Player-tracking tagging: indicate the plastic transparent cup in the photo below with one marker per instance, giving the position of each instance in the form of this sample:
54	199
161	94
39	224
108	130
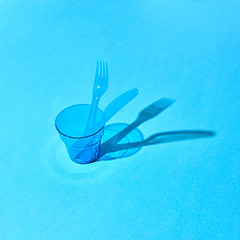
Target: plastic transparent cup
70	124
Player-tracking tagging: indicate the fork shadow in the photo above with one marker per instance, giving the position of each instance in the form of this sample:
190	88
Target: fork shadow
158	138
114	145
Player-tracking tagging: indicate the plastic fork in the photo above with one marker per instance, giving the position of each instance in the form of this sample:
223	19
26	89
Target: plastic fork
99	88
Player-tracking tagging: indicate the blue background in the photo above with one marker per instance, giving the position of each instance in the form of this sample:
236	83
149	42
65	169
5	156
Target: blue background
187	50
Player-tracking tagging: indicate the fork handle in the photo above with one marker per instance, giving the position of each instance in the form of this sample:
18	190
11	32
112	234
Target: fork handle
92	115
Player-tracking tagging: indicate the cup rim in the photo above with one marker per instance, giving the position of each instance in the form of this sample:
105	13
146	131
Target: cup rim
81	136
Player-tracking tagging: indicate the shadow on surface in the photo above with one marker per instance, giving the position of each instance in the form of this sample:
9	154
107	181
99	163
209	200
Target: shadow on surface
116	143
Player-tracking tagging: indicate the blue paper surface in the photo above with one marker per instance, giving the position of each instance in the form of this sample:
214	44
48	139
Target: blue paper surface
185	50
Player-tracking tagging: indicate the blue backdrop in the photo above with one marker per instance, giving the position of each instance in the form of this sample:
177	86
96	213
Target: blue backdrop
186	50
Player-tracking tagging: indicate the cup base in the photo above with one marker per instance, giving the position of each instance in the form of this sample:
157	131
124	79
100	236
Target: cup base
84	155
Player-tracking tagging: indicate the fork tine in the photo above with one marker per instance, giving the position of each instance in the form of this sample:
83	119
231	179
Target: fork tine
100	67
106	70
97	69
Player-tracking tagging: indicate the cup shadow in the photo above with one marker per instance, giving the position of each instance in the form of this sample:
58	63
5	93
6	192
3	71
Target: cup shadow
116	143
